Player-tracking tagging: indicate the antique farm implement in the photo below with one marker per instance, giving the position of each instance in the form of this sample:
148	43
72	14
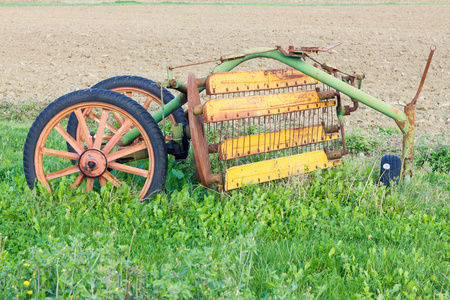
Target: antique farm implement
250	127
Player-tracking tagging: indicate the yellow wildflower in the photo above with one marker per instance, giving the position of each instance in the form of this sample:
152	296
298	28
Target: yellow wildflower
26	283
30	292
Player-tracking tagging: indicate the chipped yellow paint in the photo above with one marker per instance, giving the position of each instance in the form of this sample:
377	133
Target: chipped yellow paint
273	141
264	105
246	81
278	168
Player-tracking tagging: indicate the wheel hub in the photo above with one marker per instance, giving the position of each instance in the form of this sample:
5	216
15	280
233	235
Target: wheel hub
93	163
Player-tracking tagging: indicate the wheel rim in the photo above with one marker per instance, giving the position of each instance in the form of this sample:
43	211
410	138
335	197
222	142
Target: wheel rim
96	151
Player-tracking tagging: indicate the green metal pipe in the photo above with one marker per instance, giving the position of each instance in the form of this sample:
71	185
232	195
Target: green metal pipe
165	110
299	64
295	62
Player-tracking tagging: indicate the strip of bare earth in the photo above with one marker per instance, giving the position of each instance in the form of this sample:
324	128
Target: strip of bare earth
216	3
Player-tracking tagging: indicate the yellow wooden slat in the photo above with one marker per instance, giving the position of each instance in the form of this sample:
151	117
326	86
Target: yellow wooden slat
278	168
246	81
264	105
272	141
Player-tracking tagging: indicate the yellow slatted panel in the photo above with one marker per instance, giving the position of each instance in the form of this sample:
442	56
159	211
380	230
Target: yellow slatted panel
272	141
232	82
278	168
264	105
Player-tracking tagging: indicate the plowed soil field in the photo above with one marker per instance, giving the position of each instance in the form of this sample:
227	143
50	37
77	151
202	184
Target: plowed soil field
47	51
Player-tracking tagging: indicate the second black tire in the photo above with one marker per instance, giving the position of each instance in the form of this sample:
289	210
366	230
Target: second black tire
390	169
146	85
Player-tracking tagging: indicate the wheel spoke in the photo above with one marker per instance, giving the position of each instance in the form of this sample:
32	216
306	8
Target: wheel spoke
126	151
97	119
107	136
89	184
63	172
147	102
102	180
116	182
77	181
101	129
83	127
59	153
69	139
128	169
118	117
113	141
86	112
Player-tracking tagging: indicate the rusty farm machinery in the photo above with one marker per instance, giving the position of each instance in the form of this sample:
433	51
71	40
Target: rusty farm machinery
254	127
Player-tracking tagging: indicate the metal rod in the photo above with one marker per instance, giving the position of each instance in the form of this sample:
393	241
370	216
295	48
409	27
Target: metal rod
414	100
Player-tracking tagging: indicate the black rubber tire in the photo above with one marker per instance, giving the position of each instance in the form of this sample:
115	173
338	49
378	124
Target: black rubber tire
143	84
134	82
107	97
390	169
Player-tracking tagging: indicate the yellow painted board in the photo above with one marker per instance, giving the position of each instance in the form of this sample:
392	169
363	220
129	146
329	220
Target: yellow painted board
273	141
246	81
264	105
277	168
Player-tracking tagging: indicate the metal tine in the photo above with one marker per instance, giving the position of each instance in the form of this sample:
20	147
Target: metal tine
309	129
259	137
285	135
232	137
227	135
300	138
317	145
265	137
243	136
291	132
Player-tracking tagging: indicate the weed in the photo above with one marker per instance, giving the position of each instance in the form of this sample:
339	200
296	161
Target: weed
437	157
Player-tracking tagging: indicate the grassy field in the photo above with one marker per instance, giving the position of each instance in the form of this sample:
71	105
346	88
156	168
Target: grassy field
332	234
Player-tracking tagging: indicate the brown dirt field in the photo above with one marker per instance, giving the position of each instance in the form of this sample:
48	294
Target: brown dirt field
47	51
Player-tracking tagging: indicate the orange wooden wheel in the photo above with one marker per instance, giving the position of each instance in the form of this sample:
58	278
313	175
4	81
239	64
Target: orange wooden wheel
143	97
144	92
97	156
149	101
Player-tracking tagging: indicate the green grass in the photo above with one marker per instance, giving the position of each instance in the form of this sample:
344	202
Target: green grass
331	234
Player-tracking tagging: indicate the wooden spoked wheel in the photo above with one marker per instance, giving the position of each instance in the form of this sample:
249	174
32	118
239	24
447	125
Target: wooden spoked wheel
143	91
148	100
103	117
